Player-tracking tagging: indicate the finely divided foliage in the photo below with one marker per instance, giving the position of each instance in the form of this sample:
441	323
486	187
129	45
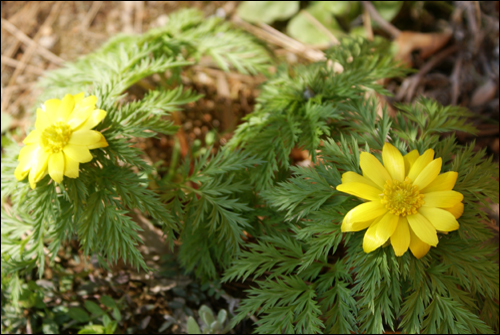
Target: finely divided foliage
205	203
246	209
312	265
301	106
98	205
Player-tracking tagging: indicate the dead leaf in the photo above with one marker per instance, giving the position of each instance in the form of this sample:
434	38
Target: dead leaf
427	43
484	93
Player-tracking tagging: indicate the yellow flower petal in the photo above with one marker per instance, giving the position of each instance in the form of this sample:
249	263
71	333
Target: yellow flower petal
353	177
70	122
71	167
441	219
371	240
355	226
442	199
27	152
26	161
410	159
82	112
33	137
418	248
443	182
51	107
77	119
361	213
423	229
102	143
456	210
360	190
78	98
400	239
39	167
22	171
420	164
85	137
56	167
65	108
42	120
386	226
84	104
373	169
91	100
393	162
95	117
429	173
78	153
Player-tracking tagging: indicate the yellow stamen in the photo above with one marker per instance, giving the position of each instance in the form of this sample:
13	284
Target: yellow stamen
55	137
402	198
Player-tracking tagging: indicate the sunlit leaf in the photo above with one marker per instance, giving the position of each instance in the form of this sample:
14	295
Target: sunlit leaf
302	28
267	11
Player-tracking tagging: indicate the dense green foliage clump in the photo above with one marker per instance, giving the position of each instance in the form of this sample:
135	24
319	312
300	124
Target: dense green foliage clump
97	205
313	278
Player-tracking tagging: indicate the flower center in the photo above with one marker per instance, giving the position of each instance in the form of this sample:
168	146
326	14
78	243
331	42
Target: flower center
402	198
55	137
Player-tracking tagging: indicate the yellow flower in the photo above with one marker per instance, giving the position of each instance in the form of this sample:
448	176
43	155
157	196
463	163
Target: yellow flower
61	140
408	201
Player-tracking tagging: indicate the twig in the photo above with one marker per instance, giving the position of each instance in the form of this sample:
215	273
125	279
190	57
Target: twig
139	12
471	16
410	84
15	63
87	21
455	80
285	38
367	23
126	17
248	79
31	43
27	12
392	30
472	11
321	27
478	11
28	53
22	86
273	36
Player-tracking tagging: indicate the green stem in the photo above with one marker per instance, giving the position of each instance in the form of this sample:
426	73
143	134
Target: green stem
175	160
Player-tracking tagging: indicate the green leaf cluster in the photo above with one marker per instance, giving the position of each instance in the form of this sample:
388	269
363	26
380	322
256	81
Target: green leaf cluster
300	106
97	208
205	202
312	278
316	24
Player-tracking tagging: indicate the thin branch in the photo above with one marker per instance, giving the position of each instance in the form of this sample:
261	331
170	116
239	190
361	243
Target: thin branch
321	27
275	37
392	30
28	14
87	21
139	14
31	43
367	23
15	63
410	84
455	80
29	52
